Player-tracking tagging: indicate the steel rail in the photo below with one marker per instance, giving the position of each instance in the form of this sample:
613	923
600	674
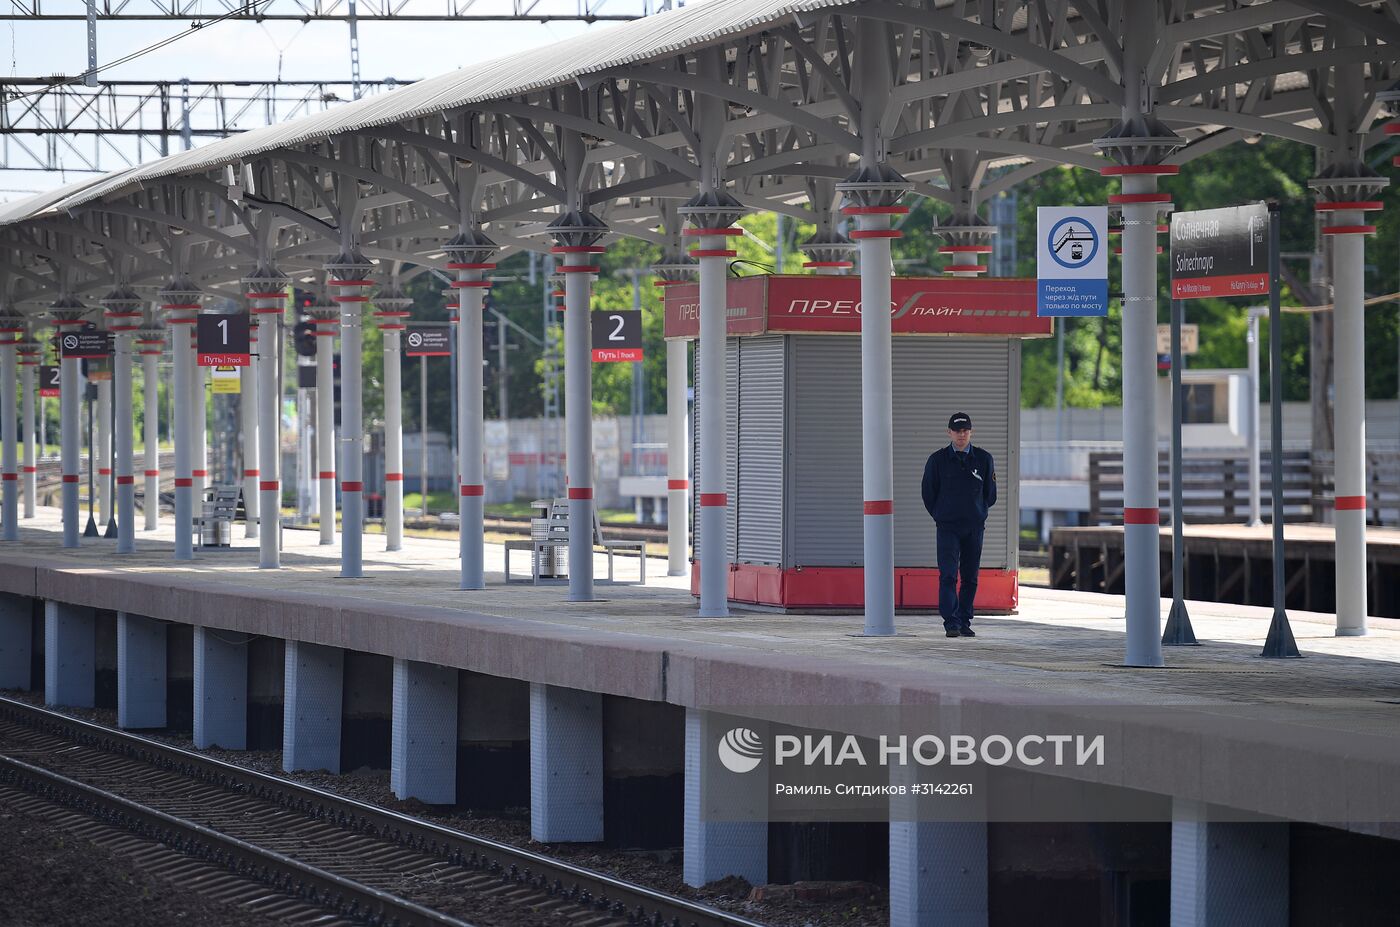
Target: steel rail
634	904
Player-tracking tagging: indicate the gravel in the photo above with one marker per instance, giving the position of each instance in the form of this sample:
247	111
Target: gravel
659	870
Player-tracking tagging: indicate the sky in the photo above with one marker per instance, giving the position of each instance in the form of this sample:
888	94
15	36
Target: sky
256	51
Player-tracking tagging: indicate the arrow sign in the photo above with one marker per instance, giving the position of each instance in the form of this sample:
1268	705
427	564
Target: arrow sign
1220	252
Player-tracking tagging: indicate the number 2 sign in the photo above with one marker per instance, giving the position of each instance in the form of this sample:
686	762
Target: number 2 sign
223	340
617	336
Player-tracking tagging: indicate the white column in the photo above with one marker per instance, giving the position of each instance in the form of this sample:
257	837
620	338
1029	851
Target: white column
578	413
677	457
125	437
220	689
393	434
938	868
183	432
29	404
566	764
267	309
9	456
471	427
1227	872
877	413
248	378
726	812
70	393
70	654
103	448
350	295
1349	347
150	395
199	420
325	426
423	762
314	680
1142	571
713	440
141	670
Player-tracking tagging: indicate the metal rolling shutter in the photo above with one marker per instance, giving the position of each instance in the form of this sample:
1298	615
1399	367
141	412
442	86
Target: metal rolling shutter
823	499
933	378
759	501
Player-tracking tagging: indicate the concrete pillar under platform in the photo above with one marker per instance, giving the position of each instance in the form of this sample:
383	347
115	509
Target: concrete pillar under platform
16	641
938	869
141	655
424	759
1227	872
70	644
726	812
220	689
315	678
566	764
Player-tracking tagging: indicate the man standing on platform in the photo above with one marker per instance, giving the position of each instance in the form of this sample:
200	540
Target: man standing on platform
960	485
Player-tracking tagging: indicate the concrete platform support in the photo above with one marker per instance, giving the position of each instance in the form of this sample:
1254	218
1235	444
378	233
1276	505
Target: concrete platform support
220	689
424	761
70	652
938	869
315	677
566	764
141	654
726	813
1227	872
16	642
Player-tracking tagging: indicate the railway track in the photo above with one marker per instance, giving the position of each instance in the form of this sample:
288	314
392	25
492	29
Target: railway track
300	845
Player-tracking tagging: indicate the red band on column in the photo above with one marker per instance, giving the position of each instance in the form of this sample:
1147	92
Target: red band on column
879	507
1349	503
1141	516
470	284
30	469
585	492
393	477
875	233
473	489
70	477
121	480
829	264
352	486
269	484
580	268
678	484
250	473
327	474
1358	206
1349	230
104	471
695	233
13	477
714	498
458	266
199	473
153	473
1128	199
183	481
349	283
1120	170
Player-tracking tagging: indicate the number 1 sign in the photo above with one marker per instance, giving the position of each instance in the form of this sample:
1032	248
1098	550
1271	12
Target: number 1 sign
223	340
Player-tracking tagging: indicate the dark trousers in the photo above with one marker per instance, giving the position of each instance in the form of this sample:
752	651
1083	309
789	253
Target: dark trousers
959	556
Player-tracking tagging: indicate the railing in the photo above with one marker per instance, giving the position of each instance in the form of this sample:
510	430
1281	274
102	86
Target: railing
1215	488
1382	486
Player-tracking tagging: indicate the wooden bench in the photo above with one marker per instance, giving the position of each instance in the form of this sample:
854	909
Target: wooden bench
549	535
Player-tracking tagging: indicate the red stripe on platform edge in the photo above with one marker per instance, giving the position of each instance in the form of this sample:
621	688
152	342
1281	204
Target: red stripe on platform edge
269	484
1141	516
352	486
1349	503
70	477
393	477
714	498
879	507
153	473
327	474
678	484
584	493
473	489
125	480
182	482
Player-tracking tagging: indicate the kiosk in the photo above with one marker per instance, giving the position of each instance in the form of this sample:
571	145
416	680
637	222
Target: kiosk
793	473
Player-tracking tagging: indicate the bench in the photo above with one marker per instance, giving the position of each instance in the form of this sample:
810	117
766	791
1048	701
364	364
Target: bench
214	524
549	535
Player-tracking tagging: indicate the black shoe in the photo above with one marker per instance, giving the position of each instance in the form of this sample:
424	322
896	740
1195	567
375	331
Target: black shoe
953	632
967	632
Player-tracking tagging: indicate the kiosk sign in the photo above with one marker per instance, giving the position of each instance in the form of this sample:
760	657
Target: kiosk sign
1071	261
1220	252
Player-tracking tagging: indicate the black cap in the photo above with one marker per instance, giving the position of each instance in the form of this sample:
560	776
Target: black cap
959	421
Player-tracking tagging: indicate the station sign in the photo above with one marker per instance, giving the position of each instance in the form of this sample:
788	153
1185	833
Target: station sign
50	380
831	305
223	340
1220	252
617	336
225	380
1190	339
92	342
427	341
1071	261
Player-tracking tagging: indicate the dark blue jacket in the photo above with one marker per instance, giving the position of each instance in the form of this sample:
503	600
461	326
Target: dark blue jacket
959	488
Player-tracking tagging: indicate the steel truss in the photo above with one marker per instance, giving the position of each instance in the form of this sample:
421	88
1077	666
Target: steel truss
339	10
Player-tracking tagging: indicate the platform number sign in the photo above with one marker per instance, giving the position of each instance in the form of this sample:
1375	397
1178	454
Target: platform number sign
617	336
224	340
50	379
1072	261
